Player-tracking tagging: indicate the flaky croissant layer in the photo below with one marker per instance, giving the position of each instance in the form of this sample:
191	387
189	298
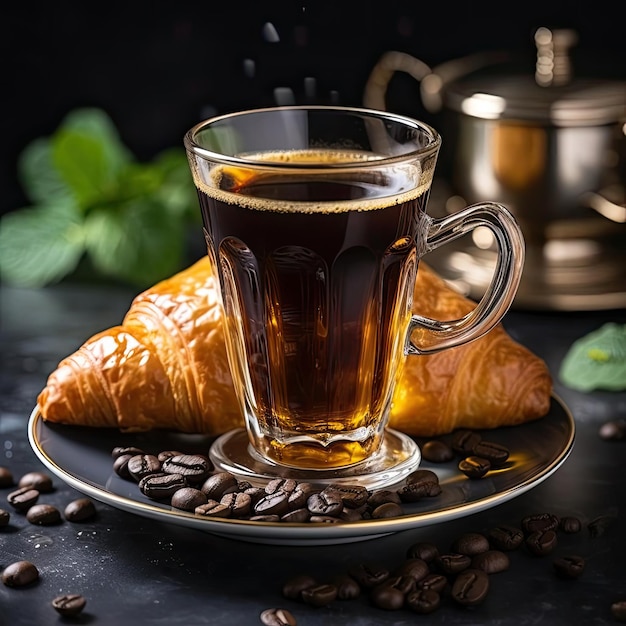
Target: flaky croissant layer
166	367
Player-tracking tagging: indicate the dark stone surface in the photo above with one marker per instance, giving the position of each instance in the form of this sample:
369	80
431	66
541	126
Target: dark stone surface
134	570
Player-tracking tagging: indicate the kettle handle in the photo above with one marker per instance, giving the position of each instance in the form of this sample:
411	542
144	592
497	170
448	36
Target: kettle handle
432	81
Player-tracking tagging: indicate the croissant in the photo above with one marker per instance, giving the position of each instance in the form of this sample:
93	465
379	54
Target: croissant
165	367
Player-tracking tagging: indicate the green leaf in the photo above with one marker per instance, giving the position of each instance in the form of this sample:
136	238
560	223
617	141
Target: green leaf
177	189
39	177
140	243
39	246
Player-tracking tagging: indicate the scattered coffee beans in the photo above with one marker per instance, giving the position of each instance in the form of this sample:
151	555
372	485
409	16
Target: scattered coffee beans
6	477
20	574
80	510
319	594
69	605
569	566
5	518
40	481
474	466
43	515
470	587
437	451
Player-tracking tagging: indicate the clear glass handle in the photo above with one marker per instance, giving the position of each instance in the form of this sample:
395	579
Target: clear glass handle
436	335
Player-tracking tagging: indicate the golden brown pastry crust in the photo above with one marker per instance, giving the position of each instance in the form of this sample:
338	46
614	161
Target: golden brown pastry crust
166	367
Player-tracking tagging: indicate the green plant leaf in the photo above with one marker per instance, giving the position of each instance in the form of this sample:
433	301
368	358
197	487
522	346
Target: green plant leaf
40	246
140	243
177	189
38	176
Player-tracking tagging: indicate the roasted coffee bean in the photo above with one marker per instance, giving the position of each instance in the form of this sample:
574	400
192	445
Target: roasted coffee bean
571	566
120	465
43	515
422	476
354	515
463	442
219	484
239	504
382	496
319	594
389	595
495	453
194	467
423	550
423	601
119	451
474	466
352	496
434	582
599	525
367	575
6	477
324	519
80	510
570	525
20	574
388	509
297	516
141	465
168	454
23	498
5	518
539	522
255	493
452	563
277	617
414	492
69	605
417	569
491	561
286	485
470	544
188	498
273	504
541	543
299	496
470	587
40	481
506	537
437	451
161	486
269	519
347	587
213	508
618	610
293	587
325	503
613	430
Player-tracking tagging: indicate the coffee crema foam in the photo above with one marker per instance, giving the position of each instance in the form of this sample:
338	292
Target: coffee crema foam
401	181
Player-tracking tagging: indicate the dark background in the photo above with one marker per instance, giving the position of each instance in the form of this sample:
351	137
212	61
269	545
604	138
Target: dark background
157	68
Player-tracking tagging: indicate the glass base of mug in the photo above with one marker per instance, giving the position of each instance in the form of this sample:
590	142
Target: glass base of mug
397	457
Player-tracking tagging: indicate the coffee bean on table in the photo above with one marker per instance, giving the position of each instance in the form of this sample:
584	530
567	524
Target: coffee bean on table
569	566
69	605
437	451
470	543
491	561
293	587
539	522
495	453
277	617
618	610
43	515
218	484
470	587
506	537
194	467
321	594
6	477
23	498
188	498
347	587
474	466
388	596
273	504
5	518
541	543
435	582
417	569
80	510
367	575
238	502
40	481
423	550
570	525
161	486
423	601
452	563
20	574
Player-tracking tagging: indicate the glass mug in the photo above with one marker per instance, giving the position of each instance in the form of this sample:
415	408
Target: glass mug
315	220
